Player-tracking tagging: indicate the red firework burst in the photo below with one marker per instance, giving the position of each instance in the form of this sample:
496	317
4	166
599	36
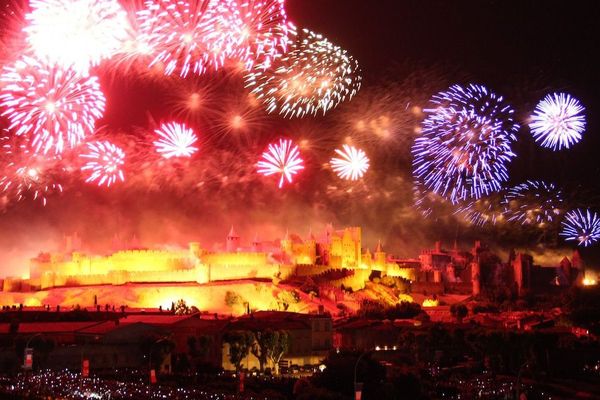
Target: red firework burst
260	29
105	162
176	140
282	158
187	35
55	108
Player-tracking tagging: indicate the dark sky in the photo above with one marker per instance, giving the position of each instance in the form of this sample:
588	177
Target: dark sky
522	49
519	48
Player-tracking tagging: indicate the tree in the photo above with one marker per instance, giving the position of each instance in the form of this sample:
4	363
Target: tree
277	344
181	308
260	349
239	346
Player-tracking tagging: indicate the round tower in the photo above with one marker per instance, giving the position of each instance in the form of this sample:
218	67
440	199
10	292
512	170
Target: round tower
233	241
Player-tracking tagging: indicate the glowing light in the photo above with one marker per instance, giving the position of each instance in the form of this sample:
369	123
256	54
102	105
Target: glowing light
431	303
558	121
313	77
56	108
187	35
533	202
582	226
465	144
105	162
282	158
352	165
260	29
589	282
176	140
76	34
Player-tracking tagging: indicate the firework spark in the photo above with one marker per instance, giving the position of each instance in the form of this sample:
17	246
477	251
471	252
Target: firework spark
27	175
558	121
260	29
187	35
533	203
105	162
484	211
582	226
352	164
313	76
57	108
465	144
282	158
76	34
176	140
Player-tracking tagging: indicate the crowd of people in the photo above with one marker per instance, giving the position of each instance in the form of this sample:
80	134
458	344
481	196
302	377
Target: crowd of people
72	386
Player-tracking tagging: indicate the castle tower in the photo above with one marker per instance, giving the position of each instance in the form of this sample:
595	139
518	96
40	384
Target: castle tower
379	256
521	272
286	244
195	251
476	277
233	241
256	244
311	247
367	258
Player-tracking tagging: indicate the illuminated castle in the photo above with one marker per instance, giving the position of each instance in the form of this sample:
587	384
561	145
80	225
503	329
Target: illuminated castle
267	260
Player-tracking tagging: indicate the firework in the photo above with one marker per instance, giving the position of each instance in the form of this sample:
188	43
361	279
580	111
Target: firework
427	202
187	35
582	226
193	99
176	140
105	162
533	203
558	121
57	108
352	164
12	37
76	34
134	54
483	211
27	175
465	144
282	158
313	77
260	29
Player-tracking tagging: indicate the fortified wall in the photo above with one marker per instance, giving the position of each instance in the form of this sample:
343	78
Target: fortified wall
292	255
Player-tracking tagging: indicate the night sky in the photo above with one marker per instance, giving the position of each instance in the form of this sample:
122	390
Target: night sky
521	49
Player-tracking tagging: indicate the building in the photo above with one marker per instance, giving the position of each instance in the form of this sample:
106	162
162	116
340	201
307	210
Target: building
310	337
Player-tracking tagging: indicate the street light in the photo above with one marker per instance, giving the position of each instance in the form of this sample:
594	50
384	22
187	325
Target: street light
27	352
161	339
358	388
518	385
